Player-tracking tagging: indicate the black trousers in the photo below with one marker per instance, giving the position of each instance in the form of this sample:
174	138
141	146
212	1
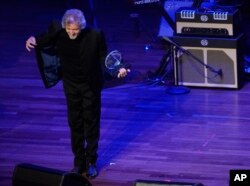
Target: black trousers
83	105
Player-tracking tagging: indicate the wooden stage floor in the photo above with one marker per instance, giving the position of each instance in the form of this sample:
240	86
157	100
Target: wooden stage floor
146	133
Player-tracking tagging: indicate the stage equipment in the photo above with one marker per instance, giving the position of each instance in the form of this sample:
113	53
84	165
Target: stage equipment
208	22
32	175
164	73
176	88
229	3
171	7
210	62
163	183
141	2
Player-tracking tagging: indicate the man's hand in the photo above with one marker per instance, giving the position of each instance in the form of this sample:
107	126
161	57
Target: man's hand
30	43
123	72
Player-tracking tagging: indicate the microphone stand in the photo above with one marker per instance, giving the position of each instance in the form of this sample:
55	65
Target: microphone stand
219	72
176	89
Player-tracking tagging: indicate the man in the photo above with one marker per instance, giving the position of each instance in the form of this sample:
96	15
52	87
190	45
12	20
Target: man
82	53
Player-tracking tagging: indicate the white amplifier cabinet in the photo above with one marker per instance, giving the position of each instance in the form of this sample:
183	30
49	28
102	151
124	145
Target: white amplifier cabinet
208	22
222	56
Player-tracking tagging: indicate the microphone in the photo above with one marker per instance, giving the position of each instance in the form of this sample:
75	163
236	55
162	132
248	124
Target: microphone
220	72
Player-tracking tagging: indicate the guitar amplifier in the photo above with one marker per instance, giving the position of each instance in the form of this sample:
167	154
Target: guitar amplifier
220	65
208	22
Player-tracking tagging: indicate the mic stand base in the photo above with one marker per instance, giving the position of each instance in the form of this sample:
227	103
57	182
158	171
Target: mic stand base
177	89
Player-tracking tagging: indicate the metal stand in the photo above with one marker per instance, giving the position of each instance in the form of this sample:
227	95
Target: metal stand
176	88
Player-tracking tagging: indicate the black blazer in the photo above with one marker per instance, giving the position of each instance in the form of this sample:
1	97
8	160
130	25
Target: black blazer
49	66
49	62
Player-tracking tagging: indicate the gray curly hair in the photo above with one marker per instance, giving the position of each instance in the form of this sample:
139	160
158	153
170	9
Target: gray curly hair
74	16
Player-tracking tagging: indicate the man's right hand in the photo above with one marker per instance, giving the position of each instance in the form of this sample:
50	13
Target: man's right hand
30	43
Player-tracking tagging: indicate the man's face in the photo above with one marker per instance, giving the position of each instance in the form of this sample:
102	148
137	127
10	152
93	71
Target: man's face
73	30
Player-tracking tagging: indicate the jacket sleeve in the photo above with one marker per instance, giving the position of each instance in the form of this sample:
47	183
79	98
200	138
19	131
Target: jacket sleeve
49	66
46	55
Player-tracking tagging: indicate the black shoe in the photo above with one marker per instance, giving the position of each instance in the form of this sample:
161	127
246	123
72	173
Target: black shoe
92	171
